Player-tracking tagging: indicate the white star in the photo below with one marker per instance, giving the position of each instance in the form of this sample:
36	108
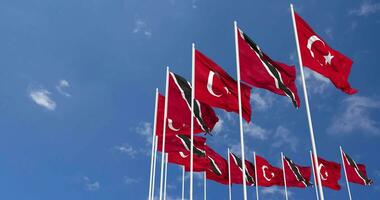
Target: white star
328	58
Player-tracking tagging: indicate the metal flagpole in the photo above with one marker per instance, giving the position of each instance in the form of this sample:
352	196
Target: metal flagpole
183	182
204	186
164	132
345	173
154	165
314	147
256	179
229	175
192	118
240	111
283	171
166	174
153	144
315	180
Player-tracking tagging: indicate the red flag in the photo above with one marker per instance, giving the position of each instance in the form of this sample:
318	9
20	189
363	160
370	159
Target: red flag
218	89
179	110
176	143
257	69
236	169
267	175
296	175
183	158
356	173
329	173
217	169
320	57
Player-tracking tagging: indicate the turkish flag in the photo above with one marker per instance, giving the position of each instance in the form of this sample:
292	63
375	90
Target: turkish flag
259	70
176	143
356	173
236	169
320	57
218	89
179	110
267	175
217	168
329	173
296	175
200	163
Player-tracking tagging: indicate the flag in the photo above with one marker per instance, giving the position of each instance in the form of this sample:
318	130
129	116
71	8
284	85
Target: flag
179	110
320	57
259	70
218	89
296	175
178	142
217	169
329	173
356	173
267	175
236	169
183	158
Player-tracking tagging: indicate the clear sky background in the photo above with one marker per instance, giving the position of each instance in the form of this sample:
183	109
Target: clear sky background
77	86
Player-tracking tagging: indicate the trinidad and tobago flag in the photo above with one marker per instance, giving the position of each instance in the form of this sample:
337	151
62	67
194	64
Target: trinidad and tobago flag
296	175
356	173
236	169
217	168
259	70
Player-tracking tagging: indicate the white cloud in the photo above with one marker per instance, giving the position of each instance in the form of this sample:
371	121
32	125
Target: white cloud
91	185
194	4
315	82
142	27
127	149
262	100
366	8
62	84
41	97
255	131
356	116
145	129
218	127
129	180
284	137
275	191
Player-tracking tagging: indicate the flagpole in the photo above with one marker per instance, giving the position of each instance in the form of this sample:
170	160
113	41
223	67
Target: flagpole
229	175
204	186
256	179
314	147
153	144
283	169
315	180
192	118
183	182
164	132
166	174
154	165
345	172
240	112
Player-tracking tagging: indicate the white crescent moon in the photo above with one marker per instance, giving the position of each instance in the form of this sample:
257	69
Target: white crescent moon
182	154
209	84
170	125
310	42
264	174
326	174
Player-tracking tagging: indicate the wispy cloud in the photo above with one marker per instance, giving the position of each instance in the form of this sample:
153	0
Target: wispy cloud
316	82
262	100
356	116
366	8
194	4
130	180
91	185
329	32
283	137
272	191
62	85
142	27
218	128
42	98
145	129
255	131
127	149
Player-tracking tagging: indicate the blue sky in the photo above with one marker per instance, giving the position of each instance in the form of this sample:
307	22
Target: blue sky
78	78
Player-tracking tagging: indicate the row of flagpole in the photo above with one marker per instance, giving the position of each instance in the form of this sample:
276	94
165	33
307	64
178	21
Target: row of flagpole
313	153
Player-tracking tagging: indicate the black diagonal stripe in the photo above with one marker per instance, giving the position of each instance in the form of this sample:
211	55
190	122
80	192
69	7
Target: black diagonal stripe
353	164
296	172
186	140
239	163
214	167
185	88
271	66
